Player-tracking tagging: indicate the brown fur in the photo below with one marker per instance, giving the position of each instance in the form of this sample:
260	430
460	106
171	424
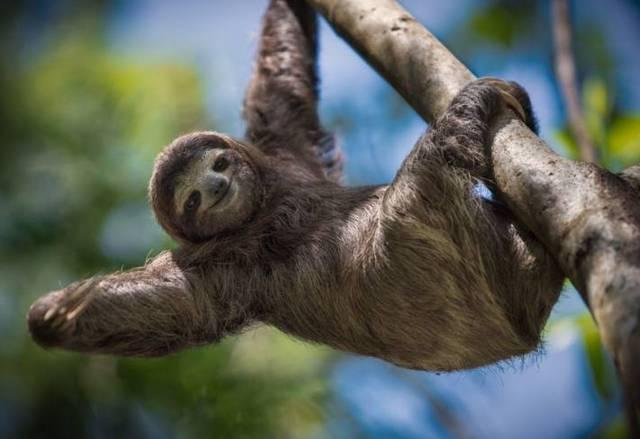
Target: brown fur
420	273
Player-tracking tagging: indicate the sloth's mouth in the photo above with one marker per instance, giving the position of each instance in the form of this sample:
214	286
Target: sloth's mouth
222	196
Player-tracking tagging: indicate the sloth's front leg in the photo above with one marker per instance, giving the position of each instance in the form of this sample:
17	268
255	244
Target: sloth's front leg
149	311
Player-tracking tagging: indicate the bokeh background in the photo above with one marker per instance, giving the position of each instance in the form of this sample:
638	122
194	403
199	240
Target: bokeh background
90	91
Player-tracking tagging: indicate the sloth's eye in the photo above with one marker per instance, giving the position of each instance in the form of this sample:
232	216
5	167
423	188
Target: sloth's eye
220	164
193	201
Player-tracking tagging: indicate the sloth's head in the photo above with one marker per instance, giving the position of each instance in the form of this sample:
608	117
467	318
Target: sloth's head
203	184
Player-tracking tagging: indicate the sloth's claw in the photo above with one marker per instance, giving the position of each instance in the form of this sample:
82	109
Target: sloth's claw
77	300
330	155
50	312
507	92
514	105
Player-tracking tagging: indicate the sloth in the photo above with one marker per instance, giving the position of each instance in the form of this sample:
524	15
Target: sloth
423	272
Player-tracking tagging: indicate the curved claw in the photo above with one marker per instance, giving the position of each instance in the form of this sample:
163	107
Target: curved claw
507	91
329	156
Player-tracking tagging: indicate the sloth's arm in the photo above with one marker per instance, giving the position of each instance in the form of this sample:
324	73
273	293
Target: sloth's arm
149	311
280	105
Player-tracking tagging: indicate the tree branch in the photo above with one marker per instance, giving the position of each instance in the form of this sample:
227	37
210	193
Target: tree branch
587	218
566	74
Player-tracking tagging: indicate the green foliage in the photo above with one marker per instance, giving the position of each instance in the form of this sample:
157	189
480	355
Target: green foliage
598	361
624	139
197	393
94	122
565	138
597	108
616	135
502	22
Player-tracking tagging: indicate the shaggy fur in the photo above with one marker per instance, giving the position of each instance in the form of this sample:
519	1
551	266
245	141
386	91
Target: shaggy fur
420	273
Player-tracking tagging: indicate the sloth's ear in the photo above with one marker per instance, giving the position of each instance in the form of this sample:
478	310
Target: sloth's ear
149	311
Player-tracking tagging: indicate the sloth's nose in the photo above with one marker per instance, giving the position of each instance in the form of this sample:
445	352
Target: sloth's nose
217	185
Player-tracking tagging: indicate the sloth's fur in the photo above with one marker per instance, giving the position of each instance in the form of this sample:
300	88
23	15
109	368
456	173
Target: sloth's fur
421	272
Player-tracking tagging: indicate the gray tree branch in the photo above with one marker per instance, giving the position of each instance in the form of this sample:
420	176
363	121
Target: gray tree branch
587	218
566	73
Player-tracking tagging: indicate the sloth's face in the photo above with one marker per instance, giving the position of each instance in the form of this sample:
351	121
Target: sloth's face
215	193
205	184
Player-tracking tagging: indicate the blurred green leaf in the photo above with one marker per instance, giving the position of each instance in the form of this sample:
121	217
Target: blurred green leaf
501	22
598	361
595	98
597	106
566	139
624	139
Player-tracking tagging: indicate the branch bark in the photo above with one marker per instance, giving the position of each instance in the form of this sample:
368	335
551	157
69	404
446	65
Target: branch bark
566	74
632	176
587	218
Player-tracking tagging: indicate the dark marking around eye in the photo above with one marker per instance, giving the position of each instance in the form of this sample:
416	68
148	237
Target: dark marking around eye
220	164
192	202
